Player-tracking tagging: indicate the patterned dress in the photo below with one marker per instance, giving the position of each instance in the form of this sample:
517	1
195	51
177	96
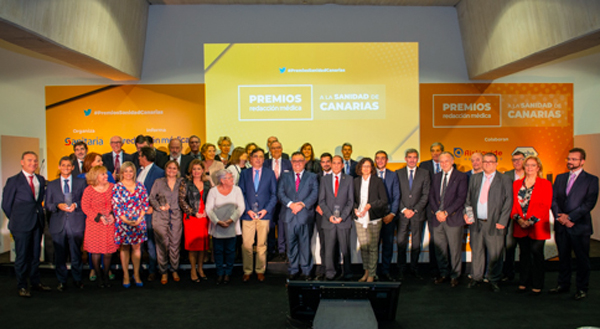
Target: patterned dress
98	238
131	206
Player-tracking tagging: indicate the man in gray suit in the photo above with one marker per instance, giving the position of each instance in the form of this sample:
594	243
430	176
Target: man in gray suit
490	198
414	191
336	199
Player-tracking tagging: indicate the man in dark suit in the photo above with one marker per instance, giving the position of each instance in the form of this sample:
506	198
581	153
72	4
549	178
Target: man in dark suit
194	143
279	165
268	155
574	196
510	243
176	147
298	192
22	203
325	162
349	164
490	199
161	156
433	166
414	194
446	203
80	150
147	174
386	235
259	186
336	200
66	222
113	160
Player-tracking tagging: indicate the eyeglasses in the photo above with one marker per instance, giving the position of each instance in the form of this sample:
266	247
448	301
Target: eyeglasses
489	162
517	159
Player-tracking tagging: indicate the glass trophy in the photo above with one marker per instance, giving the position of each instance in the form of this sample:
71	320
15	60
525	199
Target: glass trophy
470	215
336	211
255	210
68	199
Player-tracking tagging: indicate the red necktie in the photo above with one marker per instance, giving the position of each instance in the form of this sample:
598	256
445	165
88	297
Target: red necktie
337	184
297	181
117	164
31	185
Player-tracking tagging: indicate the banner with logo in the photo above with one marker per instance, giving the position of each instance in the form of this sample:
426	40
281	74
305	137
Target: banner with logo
94	114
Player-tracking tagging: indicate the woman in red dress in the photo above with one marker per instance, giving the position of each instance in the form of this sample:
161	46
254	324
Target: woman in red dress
192	197
99	237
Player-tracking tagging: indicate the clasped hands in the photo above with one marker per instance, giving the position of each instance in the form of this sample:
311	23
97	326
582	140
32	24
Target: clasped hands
63	207
564	220
256	215
226	223
296	207
362	213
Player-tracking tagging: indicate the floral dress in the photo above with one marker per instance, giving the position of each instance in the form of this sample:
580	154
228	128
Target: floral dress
131	206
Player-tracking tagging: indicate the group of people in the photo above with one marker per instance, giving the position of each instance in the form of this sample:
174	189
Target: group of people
239	198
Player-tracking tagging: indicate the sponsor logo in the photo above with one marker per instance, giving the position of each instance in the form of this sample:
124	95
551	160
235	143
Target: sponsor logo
89	141
458	152
282	70
87	112
527	150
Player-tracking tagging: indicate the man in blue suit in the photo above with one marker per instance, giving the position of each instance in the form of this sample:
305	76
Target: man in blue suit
386	236
298	192
147	174
574	196
66	222
22	203
279	165
349	164
259	186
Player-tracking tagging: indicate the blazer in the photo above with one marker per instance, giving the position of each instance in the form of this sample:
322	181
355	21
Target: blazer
377	197
352	168
392	188
286	165
59	219
416	198
428	165
344	199
109	163
266	196
283	156
153	174
578	204
76	170
308	192
22	209
454	200
499	204
539	206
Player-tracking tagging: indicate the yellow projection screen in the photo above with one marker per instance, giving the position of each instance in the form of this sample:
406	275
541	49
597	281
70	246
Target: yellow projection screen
366	94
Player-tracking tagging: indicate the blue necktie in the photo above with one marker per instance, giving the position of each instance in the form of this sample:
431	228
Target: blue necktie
256	180
381	174
437	168
66	189
410	179
347	167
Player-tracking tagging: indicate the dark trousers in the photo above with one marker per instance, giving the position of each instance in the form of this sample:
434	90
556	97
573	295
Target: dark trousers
68	243
531	259
405	227
27	262
298	241
386	238
224	250
152	263
321	268
486	251
508	269
580	245
448	249
433	263
338	241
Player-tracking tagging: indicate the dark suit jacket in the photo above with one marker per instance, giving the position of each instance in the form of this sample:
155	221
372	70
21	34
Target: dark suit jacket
352	168
454	200
266	196
428	165
161	158
19	204
283	156
499	202
58	218
308	192
183	165
286	165
109	162
416	198
392	187
76	170
578	204
344	199
377	197
154	174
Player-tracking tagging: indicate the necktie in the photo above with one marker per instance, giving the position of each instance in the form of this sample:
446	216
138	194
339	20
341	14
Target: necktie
437	168
337	185
256	180
66	189
276	169
31	185
381	174
80	165
571	181
444	184
117	164
410	179
483	197
297	181
347	167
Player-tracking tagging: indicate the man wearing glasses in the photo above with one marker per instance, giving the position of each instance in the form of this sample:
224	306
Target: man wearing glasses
516	173
574	196
113	160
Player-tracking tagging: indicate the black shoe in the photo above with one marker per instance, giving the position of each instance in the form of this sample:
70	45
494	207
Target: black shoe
219	280
24	293
61	287
305	277
293	276
454	282
495	287
78	284
558	290
388	277
440	279
40	287
580	295
473	284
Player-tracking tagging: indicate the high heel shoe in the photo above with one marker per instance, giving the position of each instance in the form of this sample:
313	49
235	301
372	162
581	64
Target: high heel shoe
126	285
176	277
164	279
138	284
